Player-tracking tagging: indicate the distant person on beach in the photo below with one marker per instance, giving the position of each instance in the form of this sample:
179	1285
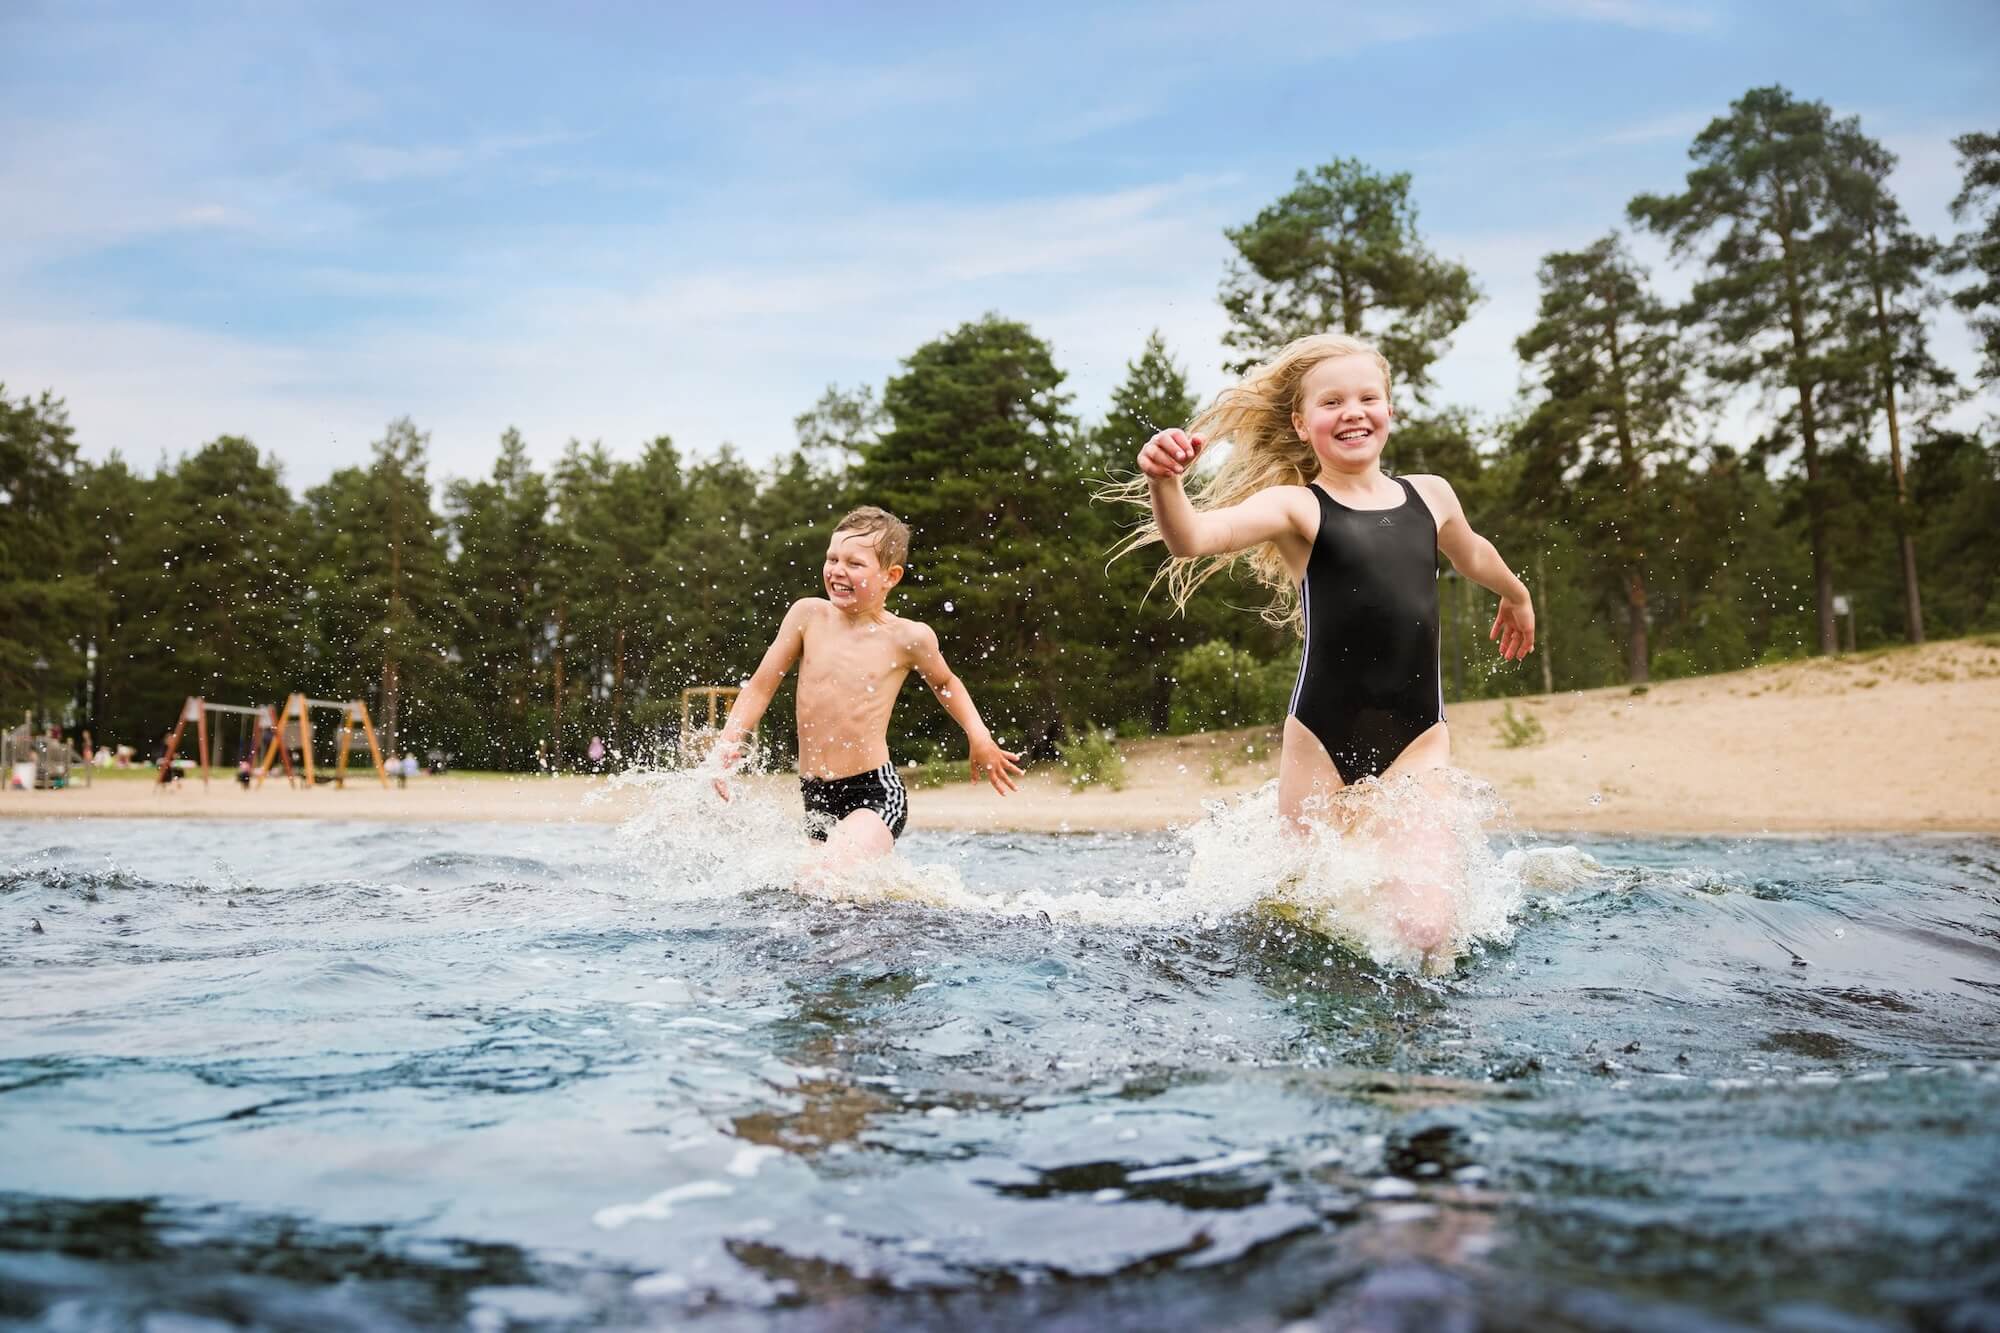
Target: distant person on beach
1350	556
853	656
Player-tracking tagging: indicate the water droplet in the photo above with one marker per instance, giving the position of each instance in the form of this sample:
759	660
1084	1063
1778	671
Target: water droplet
949	607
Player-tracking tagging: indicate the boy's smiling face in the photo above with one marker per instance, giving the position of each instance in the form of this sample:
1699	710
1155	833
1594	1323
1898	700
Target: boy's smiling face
853	574
1344	412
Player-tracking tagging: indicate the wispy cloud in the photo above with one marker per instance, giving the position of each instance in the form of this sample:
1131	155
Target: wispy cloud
1644	15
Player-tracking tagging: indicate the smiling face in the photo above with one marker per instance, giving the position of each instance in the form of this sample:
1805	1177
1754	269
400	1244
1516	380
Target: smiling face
1343	412
853	574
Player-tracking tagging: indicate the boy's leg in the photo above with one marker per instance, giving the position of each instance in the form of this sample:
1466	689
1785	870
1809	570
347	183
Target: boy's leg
860	837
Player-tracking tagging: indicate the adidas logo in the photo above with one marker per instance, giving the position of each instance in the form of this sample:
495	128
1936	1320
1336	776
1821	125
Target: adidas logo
1386	523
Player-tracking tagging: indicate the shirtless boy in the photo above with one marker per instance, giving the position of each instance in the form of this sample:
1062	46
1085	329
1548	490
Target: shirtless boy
853	655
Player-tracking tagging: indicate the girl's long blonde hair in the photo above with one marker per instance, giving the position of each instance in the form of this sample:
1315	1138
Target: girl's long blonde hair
1253	419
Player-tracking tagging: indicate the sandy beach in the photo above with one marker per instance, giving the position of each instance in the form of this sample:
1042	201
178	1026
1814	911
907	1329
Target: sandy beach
1898	741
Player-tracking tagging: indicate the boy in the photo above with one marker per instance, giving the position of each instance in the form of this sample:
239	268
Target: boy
853	655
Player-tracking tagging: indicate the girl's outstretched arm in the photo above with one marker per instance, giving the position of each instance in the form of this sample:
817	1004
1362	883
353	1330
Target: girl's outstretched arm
1187	531
1473	556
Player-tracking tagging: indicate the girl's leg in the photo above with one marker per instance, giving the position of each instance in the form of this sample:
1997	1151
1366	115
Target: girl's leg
1307	778
1426	851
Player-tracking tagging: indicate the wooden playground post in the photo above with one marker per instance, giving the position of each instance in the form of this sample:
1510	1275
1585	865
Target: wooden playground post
719	698
355	714
196	710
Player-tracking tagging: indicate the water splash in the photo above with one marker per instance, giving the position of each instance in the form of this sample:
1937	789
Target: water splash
1402	871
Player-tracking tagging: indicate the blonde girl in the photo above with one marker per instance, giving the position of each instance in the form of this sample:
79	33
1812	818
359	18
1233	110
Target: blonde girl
1348	552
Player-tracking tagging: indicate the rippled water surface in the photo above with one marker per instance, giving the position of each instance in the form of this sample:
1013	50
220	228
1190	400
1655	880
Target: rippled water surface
324	1075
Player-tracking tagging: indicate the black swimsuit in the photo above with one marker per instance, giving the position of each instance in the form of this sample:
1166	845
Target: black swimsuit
830	800
1368	676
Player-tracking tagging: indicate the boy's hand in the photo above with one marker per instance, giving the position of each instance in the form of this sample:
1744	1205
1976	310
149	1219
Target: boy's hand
1170	453
1514	628
724	758
994	764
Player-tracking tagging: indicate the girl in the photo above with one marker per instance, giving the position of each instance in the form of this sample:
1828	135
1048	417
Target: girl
1350	556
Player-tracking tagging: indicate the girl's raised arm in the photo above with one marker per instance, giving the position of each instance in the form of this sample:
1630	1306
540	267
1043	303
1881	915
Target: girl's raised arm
1266	516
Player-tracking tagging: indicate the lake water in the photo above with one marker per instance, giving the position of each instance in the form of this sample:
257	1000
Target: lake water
328	1076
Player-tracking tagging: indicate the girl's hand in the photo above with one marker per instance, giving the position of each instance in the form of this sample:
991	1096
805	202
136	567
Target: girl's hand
1514	628
994	765
1170	453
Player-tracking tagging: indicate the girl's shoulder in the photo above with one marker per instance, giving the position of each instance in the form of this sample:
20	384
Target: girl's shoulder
1301	502
1435	492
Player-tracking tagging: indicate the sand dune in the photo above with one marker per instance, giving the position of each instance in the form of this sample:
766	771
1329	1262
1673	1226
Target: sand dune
1902	741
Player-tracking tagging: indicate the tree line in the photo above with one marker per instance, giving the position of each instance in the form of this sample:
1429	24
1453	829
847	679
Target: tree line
508	619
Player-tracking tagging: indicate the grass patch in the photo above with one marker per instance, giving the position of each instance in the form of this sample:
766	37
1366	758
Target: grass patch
936	771
1518	730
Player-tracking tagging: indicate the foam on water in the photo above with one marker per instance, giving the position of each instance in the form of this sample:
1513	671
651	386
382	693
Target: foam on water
1402	871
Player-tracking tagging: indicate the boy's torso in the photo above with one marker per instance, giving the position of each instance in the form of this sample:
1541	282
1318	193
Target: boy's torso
850	672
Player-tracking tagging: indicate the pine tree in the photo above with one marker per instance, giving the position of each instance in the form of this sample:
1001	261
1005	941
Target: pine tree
1888	337
46	606
1341	251
110	498
981	461
377	577
1978	251
1613	370
710	630
1130	615
1759	198
499	527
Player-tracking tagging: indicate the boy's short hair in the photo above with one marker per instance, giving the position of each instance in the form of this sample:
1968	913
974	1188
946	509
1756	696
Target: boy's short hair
891	534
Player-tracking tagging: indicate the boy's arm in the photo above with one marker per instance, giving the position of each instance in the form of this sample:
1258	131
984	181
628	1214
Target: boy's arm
749	707
989	761
1187	531
1473	556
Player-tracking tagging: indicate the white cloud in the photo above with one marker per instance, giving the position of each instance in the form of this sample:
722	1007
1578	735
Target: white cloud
706	354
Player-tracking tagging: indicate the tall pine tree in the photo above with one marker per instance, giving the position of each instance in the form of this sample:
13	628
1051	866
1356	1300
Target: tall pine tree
46	604
1759	200
1612	373
499	526
981	461
1889	334
1977	251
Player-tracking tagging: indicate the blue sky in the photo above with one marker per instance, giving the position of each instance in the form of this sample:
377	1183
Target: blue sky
609	221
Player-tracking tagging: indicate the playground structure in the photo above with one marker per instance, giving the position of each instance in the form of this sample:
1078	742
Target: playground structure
45	762
695	739
294	731
252	721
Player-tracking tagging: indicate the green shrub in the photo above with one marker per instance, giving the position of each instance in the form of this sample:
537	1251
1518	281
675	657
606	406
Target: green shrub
1091	758
1518	729
1217	686
1672	664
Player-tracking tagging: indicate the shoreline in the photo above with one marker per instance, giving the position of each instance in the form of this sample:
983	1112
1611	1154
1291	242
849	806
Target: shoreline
1899	742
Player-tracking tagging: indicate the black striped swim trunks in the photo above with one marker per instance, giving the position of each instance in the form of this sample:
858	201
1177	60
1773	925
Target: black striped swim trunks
830	800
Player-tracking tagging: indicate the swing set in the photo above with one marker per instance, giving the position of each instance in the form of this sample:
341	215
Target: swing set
290	729
294	731
251	721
